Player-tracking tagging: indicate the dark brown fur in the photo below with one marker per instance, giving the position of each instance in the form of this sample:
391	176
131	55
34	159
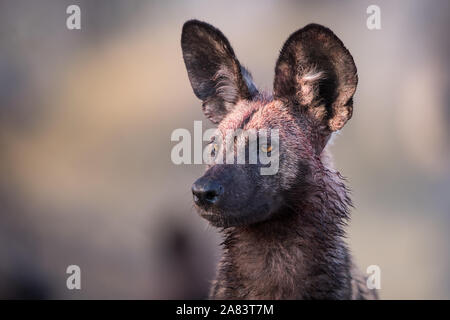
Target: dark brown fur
283	234
300	254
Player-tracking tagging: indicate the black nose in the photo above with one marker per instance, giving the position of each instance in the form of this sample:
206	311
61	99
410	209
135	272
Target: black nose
206	191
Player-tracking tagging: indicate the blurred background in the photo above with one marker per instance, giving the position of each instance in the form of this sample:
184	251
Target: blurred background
85	123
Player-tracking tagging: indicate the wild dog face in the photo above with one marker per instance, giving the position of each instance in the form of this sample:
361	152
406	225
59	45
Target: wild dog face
315	79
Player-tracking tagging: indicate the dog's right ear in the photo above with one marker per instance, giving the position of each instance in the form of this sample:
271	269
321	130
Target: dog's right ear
215	74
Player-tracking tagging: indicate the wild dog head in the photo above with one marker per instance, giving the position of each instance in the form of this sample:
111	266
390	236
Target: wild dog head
315	80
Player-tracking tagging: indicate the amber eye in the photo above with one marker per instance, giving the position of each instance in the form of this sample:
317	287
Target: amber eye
214	149
266	148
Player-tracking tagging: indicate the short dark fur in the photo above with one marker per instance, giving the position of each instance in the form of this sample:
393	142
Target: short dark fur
283	234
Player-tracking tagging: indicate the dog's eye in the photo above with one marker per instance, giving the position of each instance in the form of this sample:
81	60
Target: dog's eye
214	149
266	149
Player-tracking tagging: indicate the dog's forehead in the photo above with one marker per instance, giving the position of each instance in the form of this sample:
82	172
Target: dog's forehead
252	115
240	115
272	115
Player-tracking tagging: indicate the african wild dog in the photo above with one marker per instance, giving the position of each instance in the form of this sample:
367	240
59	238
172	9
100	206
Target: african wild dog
283	233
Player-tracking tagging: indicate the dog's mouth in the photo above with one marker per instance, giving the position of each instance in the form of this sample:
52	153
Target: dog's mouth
245	215
214	218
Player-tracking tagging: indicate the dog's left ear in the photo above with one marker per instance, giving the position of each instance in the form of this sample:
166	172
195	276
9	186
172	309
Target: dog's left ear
315	71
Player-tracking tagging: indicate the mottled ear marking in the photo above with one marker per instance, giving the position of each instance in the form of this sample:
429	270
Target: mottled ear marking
317	72
216	75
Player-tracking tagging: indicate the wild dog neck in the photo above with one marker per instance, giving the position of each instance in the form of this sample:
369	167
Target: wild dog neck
295	255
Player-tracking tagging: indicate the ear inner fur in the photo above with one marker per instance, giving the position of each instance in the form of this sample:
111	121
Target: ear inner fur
316	71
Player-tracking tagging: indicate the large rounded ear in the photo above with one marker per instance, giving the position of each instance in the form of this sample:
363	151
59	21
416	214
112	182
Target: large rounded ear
215	73
317	72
